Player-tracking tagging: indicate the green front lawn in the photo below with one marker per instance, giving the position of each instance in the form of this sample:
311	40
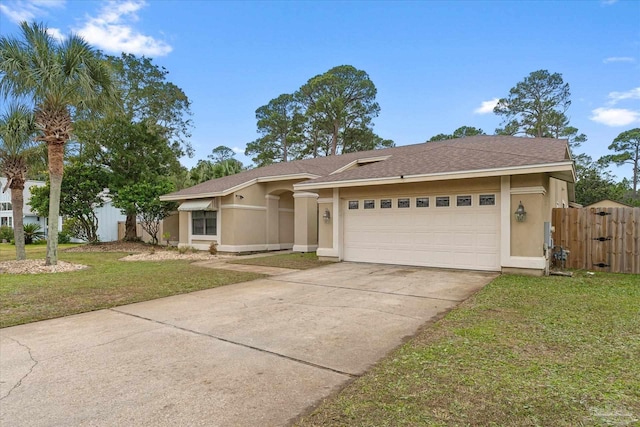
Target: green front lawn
107	283
298	261
35	251
524	351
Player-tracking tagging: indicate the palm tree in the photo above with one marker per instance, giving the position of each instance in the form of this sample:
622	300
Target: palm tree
60	77
17	129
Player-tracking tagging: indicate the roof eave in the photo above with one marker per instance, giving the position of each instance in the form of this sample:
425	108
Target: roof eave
226	192
564	171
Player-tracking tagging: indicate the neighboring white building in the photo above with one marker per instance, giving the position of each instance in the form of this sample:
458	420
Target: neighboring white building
108	215
29	217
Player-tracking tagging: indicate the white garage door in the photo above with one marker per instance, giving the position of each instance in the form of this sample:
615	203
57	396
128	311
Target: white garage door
451	231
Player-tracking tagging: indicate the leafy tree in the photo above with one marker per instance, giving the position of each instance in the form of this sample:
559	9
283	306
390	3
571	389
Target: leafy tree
461	132
341	99
143	198
627	149
536	106
203	171
17	147
363	139
59	77
280	124
145	136
82	192
147	96
132	154
594	183
221	153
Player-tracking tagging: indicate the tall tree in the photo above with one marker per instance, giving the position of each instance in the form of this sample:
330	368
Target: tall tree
17	130
133	154
280	124
461	132
341	99
147	96
221	153
59	77
536	106
594	183
152	110
627	151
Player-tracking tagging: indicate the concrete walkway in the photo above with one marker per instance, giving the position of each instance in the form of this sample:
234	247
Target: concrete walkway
251	354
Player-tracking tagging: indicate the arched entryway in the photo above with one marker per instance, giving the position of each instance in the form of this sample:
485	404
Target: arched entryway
280	219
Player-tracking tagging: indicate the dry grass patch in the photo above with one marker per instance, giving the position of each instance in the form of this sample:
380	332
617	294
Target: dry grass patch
523	352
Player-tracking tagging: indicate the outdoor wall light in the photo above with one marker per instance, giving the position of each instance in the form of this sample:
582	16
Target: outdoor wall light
326	216
240	196
520	213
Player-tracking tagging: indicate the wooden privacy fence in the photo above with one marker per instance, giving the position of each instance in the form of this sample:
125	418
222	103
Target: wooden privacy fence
599	239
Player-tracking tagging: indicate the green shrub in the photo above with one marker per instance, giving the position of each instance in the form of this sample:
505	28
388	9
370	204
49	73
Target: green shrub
64	237
32	233
183	249
6	233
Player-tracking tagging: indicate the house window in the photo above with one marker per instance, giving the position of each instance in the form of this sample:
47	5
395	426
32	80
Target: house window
353	204
6	221
369	204
404	203
463	201
204	223
422	202
5	206
487	200
442	202
385	204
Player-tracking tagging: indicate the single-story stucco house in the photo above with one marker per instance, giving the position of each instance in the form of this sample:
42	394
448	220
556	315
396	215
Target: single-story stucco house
449	204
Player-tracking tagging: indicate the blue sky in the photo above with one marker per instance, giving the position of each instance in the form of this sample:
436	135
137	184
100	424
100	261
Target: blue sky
436	65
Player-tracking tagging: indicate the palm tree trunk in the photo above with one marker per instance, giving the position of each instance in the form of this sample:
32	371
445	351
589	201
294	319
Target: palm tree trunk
56	169
17	201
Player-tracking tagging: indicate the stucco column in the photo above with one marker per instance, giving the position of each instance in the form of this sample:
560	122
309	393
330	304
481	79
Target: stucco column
273	222
306	222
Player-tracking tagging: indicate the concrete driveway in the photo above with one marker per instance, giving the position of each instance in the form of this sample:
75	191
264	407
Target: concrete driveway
251	354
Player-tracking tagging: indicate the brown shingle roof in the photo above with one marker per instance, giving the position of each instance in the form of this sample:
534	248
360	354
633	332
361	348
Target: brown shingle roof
457	155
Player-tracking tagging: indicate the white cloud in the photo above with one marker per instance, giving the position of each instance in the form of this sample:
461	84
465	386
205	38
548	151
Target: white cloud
618	59
487	106
615	97
615	116
56	33
28	10
113	32
238	150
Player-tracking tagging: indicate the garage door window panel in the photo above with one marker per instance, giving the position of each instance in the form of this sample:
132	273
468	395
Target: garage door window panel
404	203
442	202
422	202
385	204
369	204
462	201
353	204
487	200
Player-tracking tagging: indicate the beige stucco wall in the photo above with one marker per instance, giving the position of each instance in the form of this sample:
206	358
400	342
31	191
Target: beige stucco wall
325	229
184	227
434	187
243	226
558	193
171	225
306	221
527	237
